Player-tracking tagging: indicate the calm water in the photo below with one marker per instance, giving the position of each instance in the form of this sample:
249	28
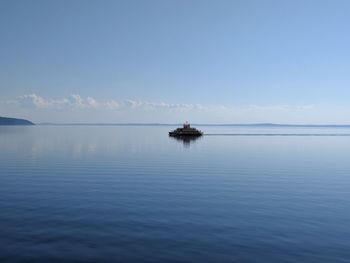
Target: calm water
132	194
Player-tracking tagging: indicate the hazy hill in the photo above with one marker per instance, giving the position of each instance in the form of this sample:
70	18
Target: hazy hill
13	121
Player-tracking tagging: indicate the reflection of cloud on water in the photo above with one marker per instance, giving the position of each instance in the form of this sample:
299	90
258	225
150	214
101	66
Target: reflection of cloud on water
77	150
39	147
74	149
92	147
186	140
80	142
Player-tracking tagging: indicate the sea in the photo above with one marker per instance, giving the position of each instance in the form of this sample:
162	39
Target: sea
131	193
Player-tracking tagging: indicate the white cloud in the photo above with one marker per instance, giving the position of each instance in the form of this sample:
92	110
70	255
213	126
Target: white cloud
91	102
161	105
88	103
281	107
133	104
112	105
40	102
35	101
78	102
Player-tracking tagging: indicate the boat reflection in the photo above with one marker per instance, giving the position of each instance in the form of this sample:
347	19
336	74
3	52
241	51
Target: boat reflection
186	139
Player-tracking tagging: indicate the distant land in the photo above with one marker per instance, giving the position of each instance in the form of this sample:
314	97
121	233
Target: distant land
205	124
14	121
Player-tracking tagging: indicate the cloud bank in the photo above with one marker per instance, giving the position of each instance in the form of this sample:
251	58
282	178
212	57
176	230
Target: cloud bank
77	108
78	102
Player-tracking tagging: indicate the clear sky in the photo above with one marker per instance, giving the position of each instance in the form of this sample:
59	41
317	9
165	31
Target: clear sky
238	61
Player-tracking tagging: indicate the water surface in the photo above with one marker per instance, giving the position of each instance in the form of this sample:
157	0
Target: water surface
132	194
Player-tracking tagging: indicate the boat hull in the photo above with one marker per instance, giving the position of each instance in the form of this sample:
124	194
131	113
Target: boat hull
185	133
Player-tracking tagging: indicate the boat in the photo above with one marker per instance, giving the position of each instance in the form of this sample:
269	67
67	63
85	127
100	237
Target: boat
186	130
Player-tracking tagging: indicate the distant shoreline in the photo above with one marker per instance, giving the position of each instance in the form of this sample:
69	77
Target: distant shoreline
203	124
6	121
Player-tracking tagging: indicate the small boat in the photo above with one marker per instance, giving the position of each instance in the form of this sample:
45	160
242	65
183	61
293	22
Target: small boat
186	130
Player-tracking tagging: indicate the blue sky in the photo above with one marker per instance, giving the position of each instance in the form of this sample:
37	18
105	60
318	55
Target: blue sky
169	61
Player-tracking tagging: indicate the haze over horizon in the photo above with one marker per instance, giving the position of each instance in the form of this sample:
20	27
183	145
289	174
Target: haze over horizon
171	61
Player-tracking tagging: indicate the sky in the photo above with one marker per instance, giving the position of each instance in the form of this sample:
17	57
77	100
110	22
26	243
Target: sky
166	61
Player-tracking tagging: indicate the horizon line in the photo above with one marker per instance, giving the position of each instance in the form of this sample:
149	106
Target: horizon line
197	124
